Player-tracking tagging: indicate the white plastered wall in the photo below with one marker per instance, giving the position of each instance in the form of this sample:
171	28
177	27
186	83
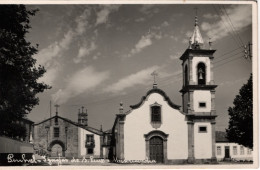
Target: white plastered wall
137	123
202	141
82	139
195	62
202	96
239	156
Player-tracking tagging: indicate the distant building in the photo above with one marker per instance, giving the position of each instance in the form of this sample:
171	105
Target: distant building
58	136
18	144
28	124
226	151
157	129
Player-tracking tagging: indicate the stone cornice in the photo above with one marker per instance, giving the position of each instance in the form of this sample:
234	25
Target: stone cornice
201	118
159	91
197	87
188	53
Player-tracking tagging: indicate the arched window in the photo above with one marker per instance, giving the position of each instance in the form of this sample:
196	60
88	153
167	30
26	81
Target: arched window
186	80
156	113
201	74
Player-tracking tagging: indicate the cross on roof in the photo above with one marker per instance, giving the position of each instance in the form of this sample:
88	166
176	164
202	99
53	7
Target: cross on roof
154	74
196	10
57	106
196	16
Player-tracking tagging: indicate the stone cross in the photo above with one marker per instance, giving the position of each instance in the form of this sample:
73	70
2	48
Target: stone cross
154	74
57	106
196	10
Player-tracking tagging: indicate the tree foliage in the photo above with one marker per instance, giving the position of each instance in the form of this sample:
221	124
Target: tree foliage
18	70
240	128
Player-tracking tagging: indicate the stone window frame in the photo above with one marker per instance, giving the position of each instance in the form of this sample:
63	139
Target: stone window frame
201	102
90	136
160	134
234	150
56	134
151	112
249	151
200	131
218	150
242	150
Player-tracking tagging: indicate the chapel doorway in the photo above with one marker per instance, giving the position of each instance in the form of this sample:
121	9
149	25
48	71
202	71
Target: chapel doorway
156	149
56	151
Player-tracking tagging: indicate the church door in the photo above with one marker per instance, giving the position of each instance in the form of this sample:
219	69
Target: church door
56	151
156	149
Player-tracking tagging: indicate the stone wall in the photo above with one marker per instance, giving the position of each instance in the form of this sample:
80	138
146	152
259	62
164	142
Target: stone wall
68	141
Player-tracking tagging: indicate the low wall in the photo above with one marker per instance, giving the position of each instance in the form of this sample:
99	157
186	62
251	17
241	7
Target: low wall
9	145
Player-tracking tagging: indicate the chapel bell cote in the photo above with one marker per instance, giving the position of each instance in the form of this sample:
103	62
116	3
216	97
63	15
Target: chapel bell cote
83	117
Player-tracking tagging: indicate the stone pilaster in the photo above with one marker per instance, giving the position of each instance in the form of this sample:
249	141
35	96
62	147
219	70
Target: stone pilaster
213	158
121	139
191	81
183	73
147	149
191	157
211	73
213	109
101	146
191	102
165	151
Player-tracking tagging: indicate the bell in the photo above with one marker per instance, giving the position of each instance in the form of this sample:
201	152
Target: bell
200	76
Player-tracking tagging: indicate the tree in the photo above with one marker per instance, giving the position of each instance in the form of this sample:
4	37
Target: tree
18	70
240	128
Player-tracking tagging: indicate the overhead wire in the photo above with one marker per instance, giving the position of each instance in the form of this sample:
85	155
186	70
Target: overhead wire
232	26
166	80
224	23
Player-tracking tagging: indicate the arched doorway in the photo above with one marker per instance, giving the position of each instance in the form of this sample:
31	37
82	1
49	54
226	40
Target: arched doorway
57	149
156	146
156	149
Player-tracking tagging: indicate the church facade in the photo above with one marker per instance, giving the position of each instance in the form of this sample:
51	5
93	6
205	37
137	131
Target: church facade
61	137
157	129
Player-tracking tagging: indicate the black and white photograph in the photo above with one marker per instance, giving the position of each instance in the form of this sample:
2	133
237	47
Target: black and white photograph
141	84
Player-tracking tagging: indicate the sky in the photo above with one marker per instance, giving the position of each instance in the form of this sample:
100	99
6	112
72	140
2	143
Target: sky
97	56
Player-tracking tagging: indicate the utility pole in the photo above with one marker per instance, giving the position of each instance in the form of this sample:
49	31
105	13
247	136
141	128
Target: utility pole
50	108
247	51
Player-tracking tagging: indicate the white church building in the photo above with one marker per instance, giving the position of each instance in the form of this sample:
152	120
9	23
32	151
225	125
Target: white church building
157	129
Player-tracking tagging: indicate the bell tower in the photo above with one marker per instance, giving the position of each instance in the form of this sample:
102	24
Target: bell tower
83	117
198	98
198	90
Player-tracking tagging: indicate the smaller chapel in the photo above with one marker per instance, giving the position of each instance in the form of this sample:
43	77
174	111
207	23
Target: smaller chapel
158	129
61	137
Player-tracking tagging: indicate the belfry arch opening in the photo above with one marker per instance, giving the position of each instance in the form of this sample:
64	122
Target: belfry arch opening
201	74
186	80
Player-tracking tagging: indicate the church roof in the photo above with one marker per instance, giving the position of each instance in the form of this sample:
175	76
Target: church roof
161	92
221	136
88	128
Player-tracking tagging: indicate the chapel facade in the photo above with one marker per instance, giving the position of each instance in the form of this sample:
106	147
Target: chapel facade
61	137
157	129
